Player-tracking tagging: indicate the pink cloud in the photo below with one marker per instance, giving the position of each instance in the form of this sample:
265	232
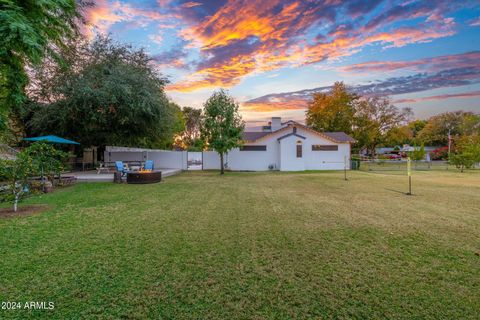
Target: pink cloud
431	64
463	95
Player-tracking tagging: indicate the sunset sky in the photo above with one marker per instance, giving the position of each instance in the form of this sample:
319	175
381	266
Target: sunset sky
271	55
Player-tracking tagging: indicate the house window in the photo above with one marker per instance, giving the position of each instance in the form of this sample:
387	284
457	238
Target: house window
318	147
299	149
253	148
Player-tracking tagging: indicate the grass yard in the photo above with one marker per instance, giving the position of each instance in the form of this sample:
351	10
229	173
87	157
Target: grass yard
250	246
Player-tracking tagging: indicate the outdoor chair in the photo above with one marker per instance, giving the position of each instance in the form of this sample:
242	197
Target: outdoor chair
120	167
148	165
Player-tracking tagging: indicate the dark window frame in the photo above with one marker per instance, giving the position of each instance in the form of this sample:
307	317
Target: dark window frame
299	150
320	147
253	148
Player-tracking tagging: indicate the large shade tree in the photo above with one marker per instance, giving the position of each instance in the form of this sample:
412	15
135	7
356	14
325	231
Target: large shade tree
30	31
332	111
374	118
106	93
222	126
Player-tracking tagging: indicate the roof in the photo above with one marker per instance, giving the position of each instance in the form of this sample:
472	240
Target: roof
338	137
52	139
252	136
291	134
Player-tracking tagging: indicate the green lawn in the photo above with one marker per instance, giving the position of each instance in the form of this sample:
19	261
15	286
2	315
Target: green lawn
251	246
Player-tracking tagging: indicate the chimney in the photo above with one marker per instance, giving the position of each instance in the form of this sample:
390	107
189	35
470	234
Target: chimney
276	123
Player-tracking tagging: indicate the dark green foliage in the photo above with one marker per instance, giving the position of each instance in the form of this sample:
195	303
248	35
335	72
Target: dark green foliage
50	162
108	94
190	138
29	31
223	126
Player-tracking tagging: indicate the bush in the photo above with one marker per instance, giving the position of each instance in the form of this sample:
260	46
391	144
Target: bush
439	154
462	160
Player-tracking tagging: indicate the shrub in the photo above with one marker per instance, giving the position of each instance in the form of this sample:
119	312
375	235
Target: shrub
439	154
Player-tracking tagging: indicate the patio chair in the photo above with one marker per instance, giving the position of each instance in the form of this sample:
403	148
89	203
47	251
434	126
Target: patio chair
120	167
148	165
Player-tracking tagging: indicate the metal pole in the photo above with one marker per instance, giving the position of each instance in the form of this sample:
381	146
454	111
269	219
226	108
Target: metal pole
449	146
345	168
409	173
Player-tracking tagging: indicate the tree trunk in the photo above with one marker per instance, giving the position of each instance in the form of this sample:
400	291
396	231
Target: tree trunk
221	163
15	203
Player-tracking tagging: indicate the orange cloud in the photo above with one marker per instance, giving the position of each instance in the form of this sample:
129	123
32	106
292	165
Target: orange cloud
275	104
463	95
276	38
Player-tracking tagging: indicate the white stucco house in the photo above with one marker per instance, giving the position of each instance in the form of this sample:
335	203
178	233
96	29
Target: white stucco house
290	146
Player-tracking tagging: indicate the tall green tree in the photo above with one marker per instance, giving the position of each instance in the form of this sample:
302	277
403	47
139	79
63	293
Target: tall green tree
332	111
108	94
31	30
222	126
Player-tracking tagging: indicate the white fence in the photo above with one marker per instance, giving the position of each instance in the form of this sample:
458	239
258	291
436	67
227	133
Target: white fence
161	158
211	160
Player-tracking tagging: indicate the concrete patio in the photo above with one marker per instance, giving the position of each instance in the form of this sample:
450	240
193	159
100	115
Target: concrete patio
92	176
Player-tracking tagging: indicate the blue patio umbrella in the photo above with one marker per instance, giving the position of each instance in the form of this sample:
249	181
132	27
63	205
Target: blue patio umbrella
51	139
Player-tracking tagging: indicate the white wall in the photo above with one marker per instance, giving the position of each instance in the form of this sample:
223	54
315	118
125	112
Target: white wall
161	158
168	159
211	160
323	160
123	156
255	160
288	155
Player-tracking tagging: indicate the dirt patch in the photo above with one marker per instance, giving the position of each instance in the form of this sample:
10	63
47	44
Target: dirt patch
23	210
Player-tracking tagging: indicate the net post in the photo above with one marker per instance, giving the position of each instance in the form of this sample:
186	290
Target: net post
409	173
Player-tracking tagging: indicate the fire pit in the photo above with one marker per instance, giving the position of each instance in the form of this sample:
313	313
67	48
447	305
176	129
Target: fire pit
144	177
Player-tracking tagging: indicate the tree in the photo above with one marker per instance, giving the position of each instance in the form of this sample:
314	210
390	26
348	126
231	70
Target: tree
467	152
30	31
332	111
458	123
415	127
373	118
193	124
223	125
16	173
418	153
108	93
48	160
398	136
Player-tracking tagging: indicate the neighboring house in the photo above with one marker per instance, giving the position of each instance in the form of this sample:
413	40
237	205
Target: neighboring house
291	146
